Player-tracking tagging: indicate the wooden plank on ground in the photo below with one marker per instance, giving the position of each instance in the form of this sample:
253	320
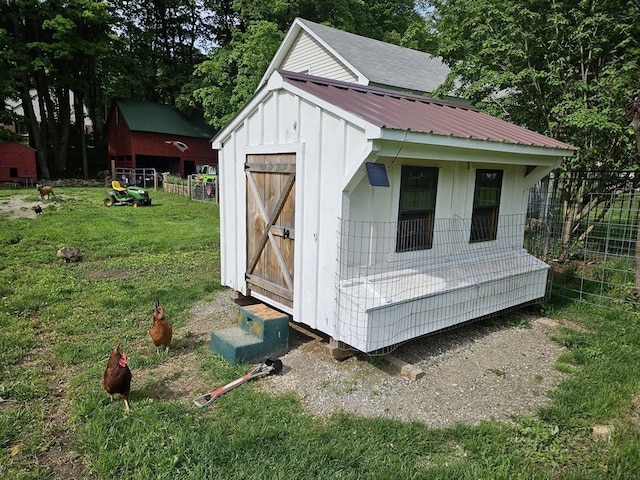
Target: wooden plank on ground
406	369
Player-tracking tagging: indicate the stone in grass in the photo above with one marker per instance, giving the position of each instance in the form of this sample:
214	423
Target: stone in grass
69	254
601	433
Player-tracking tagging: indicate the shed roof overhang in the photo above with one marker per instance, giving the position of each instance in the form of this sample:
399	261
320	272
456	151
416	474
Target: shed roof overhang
391	144
425	146
420	146
450	147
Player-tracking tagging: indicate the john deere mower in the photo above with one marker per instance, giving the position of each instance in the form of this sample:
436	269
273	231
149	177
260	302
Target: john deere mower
132	196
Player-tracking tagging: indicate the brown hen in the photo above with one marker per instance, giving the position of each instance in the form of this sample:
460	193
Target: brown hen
117	376
161	331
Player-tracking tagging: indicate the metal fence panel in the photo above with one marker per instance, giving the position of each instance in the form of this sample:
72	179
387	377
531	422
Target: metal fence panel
586	226
205	192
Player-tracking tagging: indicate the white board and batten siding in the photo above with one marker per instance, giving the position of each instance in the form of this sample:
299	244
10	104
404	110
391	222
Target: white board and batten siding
308	56
325	147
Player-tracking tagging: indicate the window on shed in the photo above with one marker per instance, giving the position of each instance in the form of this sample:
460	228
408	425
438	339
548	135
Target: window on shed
13	172
486	205
418	186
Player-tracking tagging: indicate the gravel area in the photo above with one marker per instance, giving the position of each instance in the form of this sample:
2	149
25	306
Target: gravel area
479	372
471	374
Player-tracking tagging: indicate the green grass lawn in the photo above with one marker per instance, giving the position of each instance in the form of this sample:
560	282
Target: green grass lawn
59	321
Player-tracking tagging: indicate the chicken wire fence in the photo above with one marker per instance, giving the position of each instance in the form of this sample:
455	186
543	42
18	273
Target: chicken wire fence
591	241
400	280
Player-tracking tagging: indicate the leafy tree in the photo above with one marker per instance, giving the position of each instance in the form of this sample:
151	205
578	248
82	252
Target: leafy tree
78	53
160	39
220	19
562	68
50	49
81	49
225	81
386	20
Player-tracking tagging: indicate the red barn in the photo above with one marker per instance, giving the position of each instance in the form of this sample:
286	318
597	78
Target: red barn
17	163
144	134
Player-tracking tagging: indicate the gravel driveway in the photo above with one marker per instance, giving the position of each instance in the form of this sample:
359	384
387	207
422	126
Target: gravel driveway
489	370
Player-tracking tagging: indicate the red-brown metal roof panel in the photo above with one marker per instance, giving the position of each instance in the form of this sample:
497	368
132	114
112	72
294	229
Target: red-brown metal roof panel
399	111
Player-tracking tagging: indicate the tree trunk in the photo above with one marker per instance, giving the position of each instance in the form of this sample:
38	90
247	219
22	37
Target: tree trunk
59	120
78	109
635	124
38	134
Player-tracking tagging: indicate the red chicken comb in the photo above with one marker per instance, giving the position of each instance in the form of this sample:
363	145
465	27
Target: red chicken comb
123	360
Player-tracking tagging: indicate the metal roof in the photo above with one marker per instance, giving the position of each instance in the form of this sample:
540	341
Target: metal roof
383	63
390	109
142	116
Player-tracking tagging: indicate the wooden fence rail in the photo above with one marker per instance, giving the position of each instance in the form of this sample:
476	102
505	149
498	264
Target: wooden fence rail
176	189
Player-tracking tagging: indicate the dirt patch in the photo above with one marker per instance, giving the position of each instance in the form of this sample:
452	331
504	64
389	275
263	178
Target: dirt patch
17	206
178	378
100	273
479	372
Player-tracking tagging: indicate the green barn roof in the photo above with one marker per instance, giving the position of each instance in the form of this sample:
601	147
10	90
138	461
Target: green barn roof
154	117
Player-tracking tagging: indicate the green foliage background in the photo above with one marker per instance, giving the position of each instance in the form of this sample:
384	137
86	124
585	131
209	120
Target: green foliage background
566	69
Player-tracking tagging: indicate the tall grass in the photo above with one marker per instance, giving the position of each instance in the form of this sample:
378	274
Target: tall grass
58	322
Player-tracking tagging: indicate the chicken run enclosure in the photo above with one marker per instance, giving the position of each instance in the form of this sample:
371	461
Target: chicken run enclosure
387	299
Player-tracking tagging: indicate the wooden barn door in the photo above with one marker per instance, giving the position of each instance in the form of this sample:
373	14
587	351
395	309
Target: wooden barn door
270	225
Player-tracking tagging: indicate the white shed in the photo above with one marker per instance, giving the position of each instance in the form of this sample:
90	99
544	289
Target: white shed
375	216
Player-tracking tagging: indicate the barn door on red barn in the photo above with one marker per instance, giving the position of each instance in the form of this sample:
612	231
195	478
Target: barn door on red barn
270	225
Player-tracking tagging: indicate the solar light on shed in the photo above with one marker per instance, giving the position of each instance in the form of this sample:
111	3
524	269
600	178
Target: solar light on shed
377	174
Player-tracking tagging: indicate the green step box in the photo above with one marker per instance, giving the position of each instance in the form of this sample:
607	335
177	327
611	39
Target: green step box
260	332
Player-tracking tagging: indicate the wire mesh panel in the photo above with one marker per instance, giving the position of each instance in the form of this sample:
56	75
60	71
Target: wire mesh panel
203	191
140	177
592	242
387	295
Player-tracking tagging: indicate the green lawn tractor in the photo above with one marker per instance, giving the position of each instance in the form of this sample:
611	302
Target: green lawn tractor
132	196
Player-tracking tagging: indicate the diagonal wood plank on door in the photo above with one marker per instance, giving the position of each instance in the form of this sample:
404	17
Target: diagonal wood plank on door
269	221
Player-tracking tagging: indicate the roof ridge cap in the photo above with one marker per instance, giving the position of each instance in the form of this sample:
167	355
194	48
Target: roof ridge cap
296	76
